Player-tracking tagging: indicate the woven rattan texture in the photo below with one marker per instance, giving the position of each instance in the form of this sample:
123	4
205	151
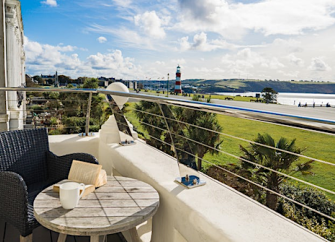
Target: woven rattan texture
26	164
24	152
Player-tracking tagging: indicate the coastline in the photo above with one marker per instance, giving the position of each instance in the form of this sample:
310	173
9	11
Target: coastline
293	99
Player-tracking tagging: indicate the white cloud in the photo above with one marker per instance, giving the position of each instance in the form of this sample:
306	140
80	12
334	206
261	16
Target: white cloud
123	3
201	43
150	23
45	59
102	39
268	17
248	63
52	3
295	60
287	17
184	44
179	61
265	39
317	64
37	53
127	37
108	61
71	62
275	64
207	70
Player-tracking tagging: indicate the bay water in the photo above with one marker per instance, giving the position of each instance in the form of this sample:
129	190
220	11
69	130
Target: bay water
294	98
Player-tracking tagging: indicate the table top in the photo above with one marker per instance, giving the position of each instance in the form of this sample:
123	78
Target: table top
121	204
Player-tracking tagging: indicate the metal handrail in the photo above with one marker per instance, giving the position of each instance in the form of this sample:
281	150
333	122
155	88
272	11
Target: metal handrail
201	106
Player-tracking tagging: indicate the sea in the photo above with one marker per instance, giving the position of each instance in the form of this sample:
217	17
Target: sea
294	98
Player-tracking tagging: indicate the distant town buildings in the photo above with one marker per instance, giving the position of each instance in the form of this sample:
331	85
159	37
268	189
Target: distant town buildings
50	79
105	81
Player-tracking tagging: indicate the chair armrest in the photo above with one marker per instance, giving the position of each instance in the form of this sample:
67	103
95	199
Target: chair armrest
13	199
59	166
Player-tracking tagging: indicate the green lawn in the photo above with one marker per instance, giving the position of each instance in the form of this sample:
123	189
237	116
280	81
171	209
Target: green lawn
316	145
222	97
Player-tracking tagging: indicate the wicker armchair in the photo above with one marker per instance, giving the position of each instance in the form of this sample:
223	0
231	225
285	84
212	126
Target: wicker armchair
27	167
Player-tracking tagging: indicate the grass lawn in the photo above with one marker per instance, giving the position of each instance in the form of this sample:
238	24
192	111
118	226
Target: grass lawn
222	97
316	145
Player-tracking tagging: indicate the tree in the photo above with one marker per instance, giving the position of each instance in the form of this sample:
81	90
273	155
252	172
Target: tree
153	121
64	79
314	199
274	159
195	119
29	82
269	95
75	108
187	128
38	79
91	83
80	80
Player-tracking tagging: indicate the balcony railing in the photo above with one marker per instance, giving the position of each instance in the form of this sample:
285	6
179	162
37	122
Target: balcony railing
229	163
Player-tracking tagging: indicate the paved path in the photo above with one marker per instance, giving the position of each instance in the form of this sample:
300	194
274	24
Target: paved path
317	112
318	118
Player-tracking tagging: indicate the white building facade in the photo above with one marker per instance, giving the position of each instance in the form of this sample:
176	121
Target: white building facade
12	65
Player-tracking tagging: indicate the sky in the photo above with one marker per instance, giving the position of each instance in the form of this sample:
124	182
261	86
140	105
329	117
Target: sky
209	39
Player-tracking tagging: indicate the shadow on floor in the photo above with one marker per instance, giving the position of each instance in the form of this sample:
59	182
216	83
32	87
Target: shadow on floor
42	234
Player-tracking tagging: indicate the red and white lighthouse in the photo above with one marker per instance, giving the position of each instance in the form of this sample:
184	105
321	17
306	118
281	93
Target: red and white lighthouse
177	88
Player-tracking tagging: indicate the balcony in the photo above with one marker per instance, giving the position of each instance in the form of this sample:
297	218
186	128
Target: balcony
213	212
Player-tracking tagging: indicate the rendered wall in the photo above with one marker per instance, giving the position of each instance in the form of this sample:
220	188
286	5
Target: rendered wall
12	63
3	71
211	213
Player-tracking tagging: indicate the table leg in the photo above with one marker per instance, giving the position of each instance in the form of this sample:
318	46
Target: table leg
97	238
61	238
28	238
134	235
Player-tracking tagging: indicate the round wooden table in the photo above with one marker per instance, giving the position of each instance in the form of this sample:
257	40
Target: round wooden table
120	205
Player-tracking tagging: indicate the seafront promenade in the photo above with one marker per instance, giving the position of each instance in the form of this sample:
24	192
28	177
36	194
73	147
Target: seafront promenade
317	118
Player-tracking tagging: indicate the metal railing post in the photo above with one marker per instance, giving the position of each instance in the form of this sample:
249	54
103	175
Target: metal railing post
88	113
169	131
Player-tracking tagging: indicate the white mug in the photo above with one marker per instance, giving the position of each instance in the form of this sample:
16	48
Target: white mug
69	194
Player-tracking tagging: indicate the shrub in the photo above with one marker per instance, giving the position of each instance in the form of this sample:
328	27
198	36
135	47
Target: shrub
311	197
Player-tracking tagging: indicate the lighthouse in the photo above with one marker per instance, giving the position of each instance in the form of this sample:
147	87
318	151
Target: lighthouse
177	88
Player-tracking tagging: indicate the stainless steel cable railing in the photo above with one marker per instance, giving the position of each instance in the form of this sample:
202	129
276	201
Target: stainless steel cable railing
238	138
245	160
252	182
198	106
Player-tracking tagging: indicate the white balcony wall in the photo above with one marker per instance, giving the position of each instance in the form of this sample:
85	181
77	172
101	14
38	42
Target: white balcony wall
211	213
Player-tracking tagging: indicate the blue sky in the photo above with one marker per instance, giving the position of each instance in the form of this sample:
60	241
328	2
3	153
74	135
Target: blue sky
211	39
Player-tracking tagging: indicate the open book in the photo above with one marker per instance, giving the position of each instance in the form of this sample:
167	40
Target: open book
88	188
82	172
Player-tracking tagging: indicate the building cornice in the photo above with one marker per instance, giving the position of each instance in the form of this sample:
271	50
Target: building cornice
14	17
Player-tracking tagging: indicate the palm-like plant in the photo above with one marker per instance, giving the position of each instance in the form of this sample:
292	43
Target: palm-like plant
156	125
207	139
185	148
274	159
210	139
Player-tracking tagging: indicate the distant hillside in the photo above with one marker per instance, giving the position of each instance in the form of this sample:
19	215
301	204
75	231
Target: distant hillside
234	85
